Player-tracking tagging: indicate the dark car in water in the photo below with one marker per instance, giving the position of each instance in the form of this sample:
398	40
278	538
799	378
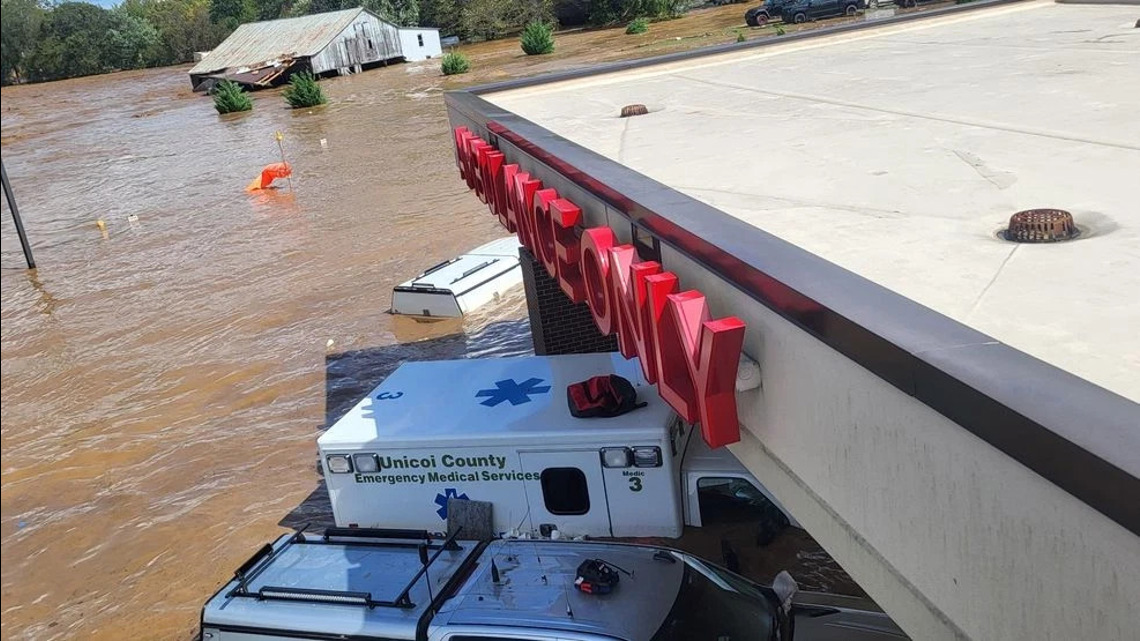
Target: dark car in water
760	15
804	10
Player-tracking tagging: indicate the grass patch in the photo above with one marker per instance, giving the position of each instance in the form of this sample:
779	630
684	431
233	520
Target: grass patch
453	63
537	39
303	91
229	98
740	36
640	25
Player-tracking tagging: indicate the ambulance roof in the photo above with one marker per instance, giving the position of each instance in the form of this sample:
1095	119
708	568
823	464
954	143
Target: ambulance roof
481	402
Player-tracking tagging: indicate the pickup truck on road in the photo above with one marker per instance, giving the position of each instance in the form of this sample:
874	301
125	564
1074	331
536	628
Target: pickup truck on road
400	585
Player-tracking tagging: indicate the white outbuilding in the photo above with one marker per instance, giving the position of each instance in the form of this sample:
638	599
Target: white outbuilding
263	54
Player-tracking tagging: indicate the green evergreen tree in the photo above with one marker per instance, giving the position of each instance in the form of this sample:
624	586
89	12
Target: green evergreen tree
454	63
537	39
303	91
229	98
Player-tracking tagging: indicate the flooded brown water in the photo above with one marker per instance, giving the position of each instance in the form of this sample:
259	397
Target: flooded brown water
163	383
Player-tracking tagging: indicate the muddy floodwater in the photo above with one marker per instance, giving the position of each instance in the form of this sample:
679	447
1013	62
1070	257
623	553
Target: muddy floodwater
165	378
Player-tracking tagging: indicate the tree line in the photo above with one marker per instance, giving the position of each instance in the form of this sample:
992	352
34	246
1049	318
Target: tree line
42	40
491	19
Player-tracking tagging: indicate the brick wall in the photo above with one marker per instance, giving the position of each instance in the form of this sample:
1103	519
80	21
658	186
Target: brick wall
557	325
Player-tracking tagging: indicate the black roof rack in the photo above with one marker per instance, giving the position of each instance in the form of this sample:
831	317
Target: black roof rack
262	557
258	561
358	533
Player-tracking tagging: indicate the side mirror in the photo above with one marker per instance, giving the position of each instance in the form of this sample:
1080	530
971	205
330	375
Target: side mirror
785	588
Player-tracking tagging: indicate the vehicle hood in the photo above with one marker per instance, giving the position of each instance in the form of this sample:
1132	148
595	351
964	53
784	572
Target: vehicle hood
842	624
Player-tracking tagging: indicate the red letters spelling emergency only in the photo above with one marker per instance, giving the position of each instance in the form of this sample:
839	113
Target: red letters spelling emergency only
690	357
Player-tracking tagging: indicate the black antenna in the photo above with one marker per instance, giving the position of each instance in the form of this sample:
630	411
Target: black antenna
518	528
494	572
423	549
565	590
566	593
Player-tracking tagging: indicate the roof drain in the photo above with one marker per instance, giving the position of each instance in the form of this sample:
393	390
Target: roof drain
1041	226
633	110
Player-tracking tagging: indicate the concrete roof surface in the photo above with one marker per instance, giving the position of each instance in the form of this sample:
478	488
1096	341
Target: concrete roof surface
900	152
254	43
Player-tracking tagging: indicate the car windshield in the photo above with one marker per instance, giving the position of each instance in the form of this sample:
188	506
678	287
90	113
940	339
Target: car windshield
714	603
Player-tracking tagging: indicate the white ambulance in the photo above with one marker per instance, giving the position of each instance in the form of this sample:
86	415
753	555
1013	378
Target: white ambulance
499	430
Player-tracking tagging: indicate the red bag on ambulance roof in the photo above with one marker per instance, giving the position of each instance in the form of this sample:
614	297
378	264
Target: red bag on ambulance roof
602	397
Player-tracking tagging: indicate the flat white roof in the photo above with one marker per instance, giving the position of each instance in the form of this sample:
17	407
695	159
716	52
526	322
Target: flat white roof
493	401
898	153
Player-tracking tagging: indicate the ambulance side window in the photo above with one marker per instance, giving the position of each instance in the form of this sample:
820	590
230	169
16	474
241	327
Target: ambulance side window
564	490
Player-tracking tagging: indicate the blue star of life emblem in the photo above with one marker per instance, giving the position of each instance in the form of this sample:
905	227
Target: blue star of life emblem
441	500
511	390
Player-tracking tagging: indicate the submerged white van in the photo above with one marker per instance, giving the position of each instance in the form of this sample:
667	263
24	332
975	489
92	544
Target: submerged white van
499	430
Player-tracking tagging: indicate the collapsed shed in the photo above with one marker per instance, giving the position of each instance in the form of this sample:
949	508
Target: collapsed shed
264	54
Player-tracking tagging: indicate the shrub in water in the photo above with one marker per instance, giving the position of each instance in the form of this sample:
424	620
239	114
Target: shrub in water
454	63
641	25
303	91
228	98
537	38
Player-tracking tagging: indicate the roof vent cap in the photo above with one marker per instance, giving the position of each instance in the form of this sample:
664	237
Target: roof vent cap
633	110
1041	226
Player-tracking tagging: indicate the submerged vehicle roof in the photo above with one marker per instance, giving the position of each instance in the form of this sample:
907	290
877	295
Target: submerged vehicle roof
336	585
536	589
351	586
403	584
480	401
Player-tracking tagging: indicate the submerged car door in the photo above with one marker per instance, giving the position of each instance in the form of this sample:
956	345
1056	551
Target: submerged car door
565	489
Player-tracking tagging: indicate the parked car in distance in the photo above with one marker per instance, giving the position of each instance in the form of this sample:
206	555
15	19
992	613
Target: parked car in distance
804	10
765	12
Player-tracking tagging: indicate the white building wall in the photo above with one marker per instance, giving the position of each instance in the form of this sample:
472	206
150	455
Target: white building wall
367	39
955	539
419	43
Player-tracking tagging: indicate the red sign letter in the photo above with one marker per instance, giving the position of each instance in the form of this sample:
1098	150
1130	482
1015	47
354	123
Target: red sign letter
462	135
565	215
474	146
595	265
708	352
543	230
506	207
673	382
524	188
621	259
490	162
631	302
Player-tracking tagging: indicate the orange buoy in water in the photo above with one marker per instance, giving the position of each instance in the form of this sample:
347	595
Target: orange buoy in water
269	174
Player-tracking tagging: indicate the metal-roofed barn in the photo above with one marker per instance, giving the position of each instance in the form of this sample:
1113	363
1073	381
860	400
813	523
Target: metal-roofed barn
262	54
